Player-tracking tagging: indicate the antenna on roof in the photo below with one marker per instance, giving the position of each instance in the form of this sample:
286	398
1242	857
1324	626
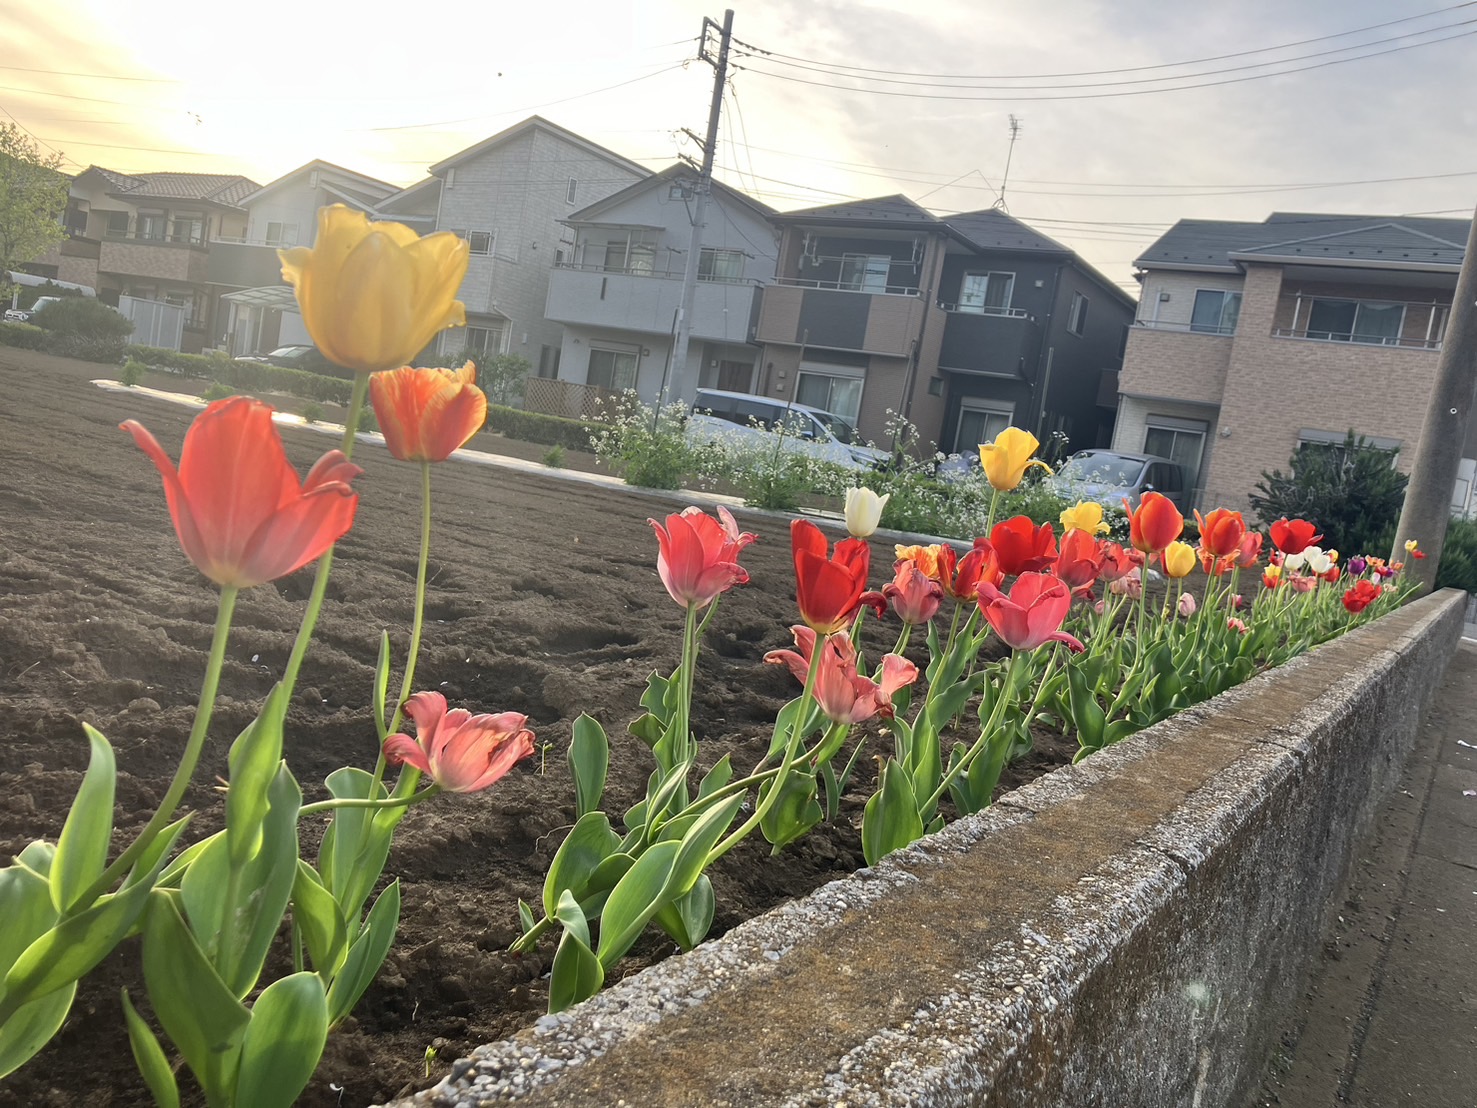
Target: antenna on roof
1015	130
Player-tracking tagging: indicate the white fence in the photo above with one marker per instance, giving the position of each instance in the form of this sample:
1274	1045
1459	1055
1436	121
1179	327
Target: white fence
155	323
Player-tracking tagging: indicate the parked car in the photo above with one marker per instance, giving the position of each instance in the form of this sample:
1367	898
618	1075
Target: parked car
1111	476
746	419
23	315
300	356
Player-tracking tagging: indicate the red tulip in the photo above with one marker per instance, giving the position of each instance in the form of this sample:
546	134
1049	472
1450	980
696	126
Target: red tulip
1154	524
830	590
1021	546
1118	562
1293	536
238	509
425	414
697	556
961	577
1031	614
844	695
1080	562
461	752
1221	532
1361	596
914	597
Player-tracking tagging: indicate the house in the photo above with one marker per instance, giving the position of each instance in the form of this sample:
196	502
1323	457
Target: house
963	324
618	288
147	236
1254	340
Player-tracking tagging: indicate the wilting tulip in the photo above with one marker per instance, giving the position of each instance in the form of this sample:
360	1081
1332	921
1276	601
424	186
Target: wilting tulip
1237	625
926	558
697	556
914	597
1087	516
373	295
864	511
1248	550
843	694
1361	596
1031	614
1006	460
1293	536
240	513
1185	605
425	414
460	752
1178	559
1080	561
961	577
1118	562
1301	583
830	590
1021	546
1131	586
1154	524
1221	532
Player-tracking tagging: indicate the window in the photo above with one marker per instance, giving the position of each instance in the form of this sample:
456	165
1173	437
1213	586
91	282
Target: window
831	393
1077	317
980	421
117	223
479	242
631	255
150	225
548	361
612	369
986	292
1370	321
188	227
865	272
483	340
720	265
570	189
281	234
1215	312
1179	440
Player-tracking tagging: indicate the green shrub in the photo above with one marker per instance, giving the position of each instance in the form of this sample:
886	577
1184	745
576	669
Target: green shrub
312	412
366	421
554	457
1458	568
572	434
646	445
501	377
132	372
217	391
1351	492
84	318
27	336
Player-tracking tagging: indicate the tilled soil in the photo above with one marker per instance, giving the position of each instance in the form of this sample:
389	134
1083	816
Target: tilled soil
543	599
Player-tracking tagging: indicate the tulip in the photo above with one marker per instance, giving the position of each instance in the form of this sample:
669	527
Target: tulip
1006	460
1221	532
1361	596
239	511
1080	561
830	590
425	414
1031	614
1357	565
1292	536
1249	550
1131	587
1118	562
1272	576
1237	625
1185	606
864	511
843	694
914	597
961	577
373	295
1086	516
1021	546
1301	583
1315	559
697	556
1178	559
461	752
926	558
1154	524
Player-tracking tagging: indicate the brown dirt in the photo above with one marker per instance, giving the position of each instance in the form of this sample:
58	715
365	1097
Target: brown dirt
543	599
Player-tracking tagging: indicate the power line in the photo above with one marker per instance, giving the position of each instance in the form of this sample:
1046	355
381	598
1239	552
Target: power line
92	76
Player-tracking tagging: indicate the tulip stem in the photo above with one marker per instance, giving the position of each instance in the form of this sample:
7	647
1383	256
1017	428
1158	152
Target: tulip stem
364	802
420	602
680	724
188	760
1143	595
997	713
356	405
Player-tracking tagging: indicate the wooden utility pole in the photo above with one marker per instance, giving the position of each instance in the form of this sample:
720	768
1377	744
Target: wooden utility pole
1427	509
700	205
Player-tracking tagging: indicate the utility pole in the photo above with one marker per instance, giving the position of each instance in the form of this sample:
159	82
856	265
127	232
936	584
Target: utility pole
1427	509
700	201
1015	131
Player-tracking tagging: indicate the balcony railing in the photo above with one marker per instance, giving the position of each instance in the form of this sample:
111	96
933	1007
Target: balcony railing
985	309
838	286
668	272
1194	328
1357	338
161	238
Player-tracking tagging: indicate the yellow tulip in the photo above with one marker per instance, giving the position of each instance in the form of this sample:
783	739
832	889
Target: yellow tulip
373	295
1006	460
926	558
864	511
1179	559
1086	516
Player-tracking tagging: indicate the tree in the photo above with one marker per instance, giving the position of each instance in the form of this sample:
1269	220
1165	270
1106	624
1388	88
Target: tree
1351	491
33	198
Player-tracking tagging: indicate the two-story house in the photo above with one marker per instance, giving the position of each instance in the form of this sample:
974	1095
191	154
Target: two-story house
1254	339
962	324
618	289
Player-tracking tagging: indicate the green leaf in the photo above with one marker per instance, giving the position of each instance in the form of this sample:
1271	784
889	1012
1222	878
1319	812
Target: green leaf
82	850
152	858
662	790
27	909
253	760
720	775
317	916
149	1056
366	956
576	974
283	1042
692	859
588	844
946	705
37	856
634	900
589	758
655	698
31	1027
605	878
688	918
1087	715
201	1016
382	687
526	919
355	844
794	812
890	819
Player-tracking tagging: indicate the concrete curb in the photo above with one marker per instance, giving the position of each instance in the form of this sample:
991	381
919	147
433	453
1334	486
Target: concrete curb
1125	931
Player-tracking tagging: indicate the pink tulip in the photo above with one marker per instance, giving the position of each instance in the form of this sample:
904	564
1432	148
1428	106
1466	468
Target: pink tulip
461	752
1131	587
697	556
914	597
843	694
1185	605
1031	614
1238	625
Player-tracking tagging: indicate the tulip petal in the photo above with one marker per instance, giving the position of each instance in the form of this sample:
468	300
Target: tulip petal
174	494
405	750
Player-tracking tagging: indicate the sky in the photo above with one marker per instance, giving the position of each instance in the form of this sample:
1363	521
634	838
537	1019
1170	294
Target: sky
1130	115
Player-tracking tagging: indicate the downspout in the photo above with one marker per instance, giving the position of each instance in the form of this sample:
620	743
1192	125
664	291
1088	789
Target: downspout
909	378
1038	400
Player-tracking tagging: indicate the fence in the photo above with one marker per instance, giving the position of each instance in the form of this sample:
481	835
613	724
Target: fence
155	323
570	399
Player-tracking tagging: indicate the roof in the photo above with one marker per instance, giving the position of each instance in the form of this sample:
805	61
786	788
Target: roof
215	188
367	190
884	209
537	122
591	213
992	229
1404	242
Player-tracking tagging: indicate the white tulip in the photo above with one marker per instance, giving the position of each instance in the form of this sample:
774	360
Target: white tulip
863	511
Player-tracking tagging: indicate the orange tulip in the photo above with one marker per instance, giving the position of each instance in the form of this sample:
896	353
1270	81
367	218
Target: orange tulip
1221	532
425	414
1154	524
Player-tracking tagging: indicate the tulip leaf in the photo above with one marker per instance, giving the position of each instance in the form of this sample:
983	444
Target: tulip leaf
366	955
687	919
382	687
149	1055
82	850
661	790
794	812
253	761
317	916
658	696
720	775
576	974
283	1042
589	758
692	859
588	844
37	856
1087	715
634	900
27	909
606	876
526	920
648	728
31	1026
890	819
201	1016
353	842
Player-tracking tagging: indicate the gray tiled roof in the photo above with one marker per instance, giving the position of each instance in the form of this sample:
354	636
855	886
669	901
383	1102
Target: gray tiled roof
1213	244
218	188
992	229
883	209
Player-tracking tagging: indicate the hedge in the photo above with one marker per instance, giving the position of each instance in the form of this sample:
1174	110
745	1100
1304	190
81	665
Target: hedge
572	434
25	335
246	376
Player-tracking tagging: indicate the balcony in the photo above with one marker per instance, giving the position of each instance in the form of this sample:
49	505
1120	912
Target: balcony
243	265
886	323
593	296
997	342
1174	362
159	258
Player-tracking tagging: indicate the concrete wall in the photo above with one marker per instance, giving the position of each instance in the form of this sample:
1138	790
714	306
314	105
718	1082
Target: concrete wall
1122	932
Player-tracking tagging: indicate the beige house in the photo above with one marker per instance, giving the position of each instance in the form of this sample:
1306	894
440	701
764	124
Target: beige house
1253	340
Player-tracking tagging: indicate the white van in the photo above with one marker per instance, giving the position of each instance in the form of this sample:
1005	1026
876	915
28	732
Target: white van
745	419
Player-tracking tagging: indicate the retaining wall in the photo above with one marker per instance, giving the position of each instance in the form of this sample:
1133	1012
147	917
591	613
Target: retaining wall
1120	933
